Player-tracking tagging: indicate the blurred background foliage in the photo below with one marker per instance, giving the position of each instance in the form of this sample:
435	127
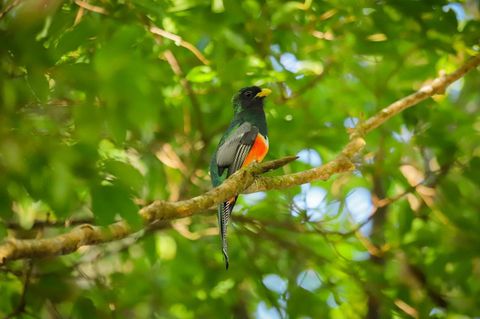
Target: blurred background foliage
108	105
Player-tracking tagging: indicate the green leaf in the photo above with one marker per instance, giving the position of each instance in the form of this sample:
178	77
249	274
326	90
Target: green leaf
93	119
84	308
201	74
126	175
38	84
3	231
150	247
110	200
78	36
285	11
473	170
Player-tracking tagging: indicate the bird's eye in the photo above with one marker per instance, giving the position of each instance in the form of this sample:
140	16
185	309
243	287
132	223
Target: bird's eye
248	94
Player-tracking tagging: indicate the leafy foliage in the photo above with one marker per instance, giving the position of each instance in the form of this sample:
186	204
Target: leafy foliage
107	105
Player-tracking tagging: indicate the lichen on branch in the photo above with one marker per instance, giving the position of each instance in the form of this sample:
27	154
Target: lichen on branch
246	180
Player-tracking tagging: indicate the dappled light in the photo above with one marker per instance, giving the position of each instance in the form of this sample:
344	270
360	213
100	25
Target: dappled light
365	206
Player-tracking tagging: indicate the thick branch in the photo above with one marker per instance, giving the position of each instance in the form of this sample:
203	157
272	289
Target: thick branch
356	143
243	181
438	85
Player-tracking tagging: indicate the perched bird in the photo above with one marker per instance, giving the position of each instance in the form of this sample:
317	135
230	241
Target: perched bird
244	141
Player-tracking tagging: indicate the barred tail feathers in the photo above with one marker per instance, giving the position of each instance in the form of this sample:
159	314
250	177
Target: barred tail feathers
224	212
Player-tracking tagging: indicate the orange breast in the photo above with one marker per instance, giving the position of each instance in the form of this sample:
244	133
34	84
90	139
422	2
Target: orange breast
258	151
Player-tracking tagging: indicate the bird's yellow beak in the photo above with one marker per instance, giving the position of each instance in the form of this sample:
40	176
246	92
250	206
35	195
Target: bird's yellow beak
263	93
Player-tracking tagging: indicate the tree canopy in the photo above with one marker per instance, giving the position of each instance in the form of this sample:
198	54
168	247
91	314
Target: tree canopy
109	106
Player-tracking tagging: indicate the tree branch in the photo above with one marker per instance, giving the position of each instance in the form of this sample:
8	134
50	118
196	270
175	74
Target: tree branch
22	302
172	60
38	223
244	181
90	7
8	8
179	41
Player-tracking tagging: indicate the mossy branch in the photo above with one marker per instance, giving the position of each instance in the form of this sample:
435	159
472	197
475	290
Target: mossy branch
246	180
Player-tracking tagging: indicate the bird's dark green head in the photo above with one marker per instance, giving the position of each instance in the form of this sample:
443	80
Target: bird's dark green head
249	98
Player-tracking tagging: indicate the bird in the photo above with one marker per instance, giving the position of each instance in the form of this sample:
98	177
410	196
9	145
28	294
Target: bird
244	141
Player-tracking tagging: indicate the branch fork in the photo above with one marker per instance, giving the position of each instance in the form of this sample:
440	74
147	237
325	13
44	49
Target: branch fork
246	180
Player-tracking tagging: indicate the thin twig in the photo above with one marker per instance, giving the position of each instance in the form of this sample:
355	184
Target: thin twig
172	60
23	302
406	308
243	181
312	83
79	16
179	41
90	7
8	8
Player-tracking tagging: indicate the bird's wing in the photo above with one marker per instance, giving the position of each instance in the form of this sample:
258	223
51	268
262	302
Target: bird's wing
232	153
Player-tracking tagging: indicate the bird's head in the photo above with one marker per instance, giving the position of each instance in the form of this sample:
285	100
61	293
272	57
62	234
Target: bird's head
249	98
